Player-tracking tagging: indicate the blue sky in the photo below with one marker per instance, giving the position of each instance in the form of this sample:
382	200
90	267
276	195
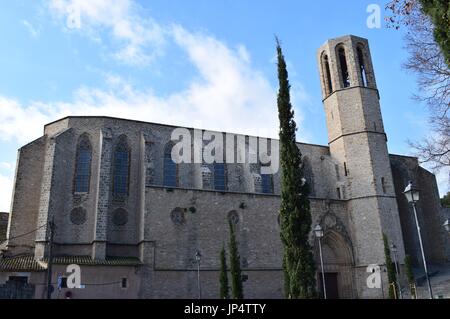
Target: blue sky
203	63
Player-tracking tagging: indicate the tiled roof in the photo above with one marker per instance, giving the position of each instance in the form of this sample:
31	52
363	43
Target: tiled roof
29	263
21	263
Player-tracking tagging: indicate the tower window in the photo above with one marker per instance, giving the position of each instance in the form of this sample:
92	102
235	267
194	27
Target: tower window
345	169
327	74
338	193
170	168
362	66
124	283
336	168
383	185
220	180
345	76
121	169
83	165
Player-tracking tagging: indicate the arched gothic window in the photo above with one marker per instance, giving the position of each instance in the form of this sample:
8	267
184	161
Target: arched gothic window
220	178
362	66
121	169
170	168
345	76
327	75
83	165
267	183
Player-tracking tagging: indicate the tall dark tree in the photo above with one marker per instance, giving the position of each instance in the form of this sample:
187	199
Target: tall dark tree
237	291
390	269
295	216
445	201
224	287
410	276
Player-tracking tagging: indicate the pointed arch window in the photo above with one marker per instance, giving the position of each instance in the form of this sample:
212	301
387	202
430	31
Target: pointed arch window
121	169
327	75
170	168
362	66
220	178
345	76
83	165
267	183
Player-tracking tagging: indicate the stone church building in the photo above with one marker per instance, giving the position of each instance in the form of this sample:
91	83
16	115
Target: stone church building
133	219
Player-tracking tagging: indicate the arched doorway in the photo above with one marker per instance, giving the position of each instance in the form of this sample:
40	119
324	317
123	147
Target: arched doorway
338	264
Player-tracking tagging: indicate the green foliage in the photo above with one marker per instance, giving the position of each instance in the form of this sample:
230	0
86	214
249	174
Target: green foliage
295	216
409	274
224	287
445	201
390	269
439	13
235	266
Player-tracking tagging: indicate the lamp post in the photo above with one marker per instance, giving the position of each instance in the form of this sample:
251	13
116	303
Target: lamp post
412	195
198	257
394	252
318	231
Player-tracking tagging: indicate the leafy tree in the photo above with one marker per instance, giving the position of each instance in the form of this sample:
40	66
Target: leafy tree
295	215
410	274
390	269
445	201
439	13
235	266
426	25
224	287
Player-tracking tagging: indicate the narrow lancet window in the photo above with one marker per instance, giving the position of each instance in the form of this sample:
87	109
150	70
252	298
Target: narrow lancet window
170	168
83	165
327	74
344	68
220	178
362	67
121	169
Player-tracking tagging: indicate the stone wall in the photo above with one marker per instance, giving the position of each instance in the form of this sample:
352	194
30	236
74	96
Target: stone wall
4	217
430	215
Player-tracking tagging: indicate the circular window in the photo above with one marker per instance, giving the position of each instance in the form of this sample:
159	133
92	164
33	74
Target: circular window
78	216
120	217
177	216
233	217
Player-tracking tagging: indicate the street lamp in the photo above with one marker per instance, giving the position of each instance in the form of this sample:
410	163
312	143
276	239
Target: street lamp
394	252
447	226
412	195
198	257
318	231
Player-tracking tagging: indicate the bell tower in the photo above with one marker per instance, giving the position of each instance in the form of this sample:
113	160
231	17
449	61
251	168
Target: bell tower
357	142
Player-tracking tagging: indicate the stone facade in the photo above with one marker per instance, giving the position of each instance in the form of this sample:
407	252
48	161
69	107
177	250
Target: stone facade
4	217
130	212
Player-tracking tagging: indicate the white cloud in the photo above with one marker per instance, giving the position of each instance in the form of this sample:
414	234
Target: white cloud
33	31
6	166
22	123
227	95
6	184
139	39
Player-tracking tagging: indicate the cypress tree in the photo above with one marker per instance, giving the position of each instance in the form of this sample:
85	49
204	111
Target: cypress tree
235	266
410	274
390	269
295	216
224	288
